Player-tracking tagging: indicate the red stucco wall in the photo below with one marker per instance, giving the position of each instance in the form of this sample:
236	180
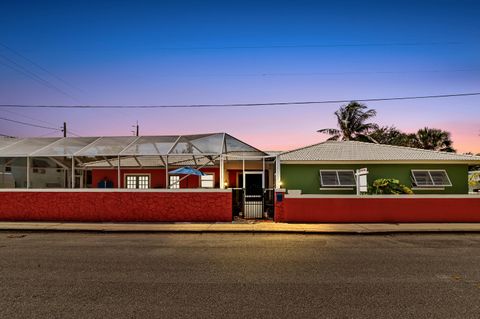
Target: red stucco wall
116	206
157	176
378	210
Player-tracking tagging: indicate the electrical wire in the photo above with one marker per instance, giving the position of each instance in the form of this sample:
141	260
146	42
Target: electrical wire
39	66
29	124
319	45
27	117
32	75
289	103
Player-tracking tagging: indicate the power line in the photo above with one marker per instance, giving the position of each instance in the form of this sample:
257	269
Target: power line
28	117
319	45
29	124
38	66
31	118
32	75
241	104
281	74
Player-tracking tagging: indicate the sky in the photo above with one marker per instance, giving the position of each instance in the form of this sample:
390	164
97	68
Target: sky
211	52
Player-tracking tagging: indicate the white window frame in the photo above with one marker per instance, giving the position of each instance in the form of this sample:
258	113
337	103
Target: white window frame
213	179
174	184
338	178
126	175
433	182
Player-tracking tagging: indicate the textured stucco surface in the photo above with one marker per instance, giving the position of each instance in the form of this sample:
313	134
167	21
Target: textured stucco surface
378	210
116	206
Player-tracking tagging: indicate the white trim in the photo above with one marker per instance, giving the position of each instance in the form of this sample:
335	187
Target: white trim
431	178
278	172
249	157
336	188
426	188
206	173
175	184
338	177
125	175
415	196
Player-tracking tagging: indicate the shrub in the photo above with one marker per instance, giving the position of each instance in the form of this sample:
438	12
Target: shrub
388	186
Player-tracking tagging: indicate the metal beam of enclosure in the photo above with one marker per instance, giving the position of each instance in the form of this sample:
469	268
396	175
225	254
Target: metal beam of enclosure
113	146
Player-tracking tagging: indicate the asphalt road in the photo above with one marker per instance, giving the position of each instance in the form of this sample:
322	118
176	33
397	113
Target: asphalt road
78	275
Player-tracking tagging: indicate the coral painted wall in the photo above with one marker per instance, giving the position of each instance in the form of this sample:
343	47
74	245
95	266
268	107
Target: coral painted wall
378	210
117	206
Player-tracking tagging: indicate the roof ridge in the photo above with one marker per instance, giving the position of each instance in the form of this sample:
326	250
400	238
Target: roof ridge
413	149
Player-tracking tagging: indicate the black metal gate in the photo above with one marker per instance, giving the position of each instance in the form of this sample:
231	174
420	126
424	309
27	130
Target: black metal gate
253	206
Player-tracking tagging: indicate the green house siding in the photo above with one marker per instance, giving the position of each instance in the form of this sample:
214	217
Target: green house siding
306	177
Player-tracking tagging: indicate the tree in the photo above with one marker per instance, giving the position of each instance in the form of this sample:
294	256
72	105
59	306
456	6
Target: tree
390	135
352	123
434	139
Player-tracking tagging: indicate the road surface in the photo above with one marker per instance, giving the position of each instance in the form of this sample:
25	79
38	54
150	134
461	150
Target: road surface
89	275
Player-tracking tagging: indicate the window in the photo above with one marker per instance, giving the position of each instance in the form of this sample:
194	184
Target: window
174	181
426	178
337	178
138	181
207	181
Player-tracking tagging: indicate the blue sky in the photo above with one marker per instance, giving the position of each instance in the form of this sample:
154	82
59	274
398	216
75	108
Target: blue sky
179	52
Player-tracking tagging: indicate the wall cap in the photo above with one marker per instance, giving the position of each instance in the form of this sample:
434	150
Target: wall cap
360	197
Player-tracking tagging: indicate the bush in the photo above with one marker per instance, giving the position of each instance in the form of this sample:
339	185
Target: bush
388	186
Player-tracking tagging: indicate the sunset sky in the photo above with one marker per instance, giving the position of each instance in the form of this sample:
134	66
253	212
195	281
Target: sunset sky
210	52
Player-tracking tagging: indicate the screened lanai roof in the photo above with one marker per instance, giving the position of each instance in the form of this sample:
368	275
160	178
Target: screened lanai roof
192	145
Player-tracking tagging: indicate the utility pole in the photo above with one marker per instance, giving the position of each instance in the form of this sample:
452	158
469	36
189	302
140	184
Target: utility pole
64	130
136	129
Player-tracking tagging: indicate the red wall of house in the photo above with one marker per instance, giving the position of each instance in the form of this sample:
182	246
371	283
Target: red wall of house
116	206
157	179
232	178
378	210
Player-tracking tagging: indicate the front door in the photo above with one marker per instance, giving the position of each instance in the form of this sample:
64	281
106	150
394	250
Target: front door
253	195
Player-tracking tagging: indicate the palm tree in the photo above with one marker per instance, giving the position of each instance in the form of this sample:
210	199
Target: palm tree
390	135
352	123
434	139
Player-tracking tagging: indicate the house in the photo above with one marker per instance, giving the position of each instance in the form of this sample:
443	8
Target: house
132	178
329	168
141	163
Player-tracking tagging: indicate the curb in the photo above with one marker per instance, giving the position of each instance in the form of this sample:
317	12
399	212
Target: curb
238	231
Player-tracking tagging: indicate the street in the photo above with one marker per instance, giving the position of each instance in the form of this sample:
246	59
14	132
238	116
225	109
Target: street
141	275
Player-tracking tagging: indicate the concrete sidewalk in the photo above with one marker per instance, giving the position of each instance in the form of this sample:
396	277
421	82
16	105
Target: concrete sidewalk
256	227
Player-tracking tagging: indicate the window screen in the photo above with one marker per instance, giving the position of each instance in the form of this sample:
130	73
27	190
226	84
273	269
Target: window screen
138	181
174	181
207	181
331	178
424	178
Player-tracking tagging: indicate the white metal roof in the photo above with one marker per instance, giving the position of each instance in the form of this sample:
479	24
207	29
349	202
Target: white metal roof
360	151
200	144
